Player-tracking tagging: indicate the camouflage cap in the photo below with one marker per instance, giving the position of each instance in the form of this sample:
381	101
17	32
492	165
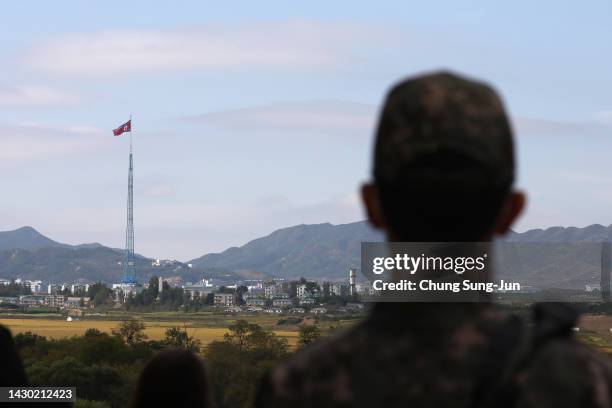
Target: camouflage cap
442	125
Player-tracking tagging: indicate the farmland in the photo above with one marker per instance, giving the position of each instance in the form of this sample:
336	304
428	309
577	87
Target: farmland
205	330
596	330
208	327
204	326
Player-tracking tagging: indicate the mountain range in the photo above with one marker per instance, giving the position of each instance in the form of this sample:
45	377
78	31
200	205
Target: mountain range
312	251
26	253
26	238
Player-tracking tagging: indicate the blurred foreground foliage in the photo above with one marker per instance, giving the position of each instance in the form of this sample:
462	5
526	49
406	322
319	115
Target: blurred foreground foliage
105	367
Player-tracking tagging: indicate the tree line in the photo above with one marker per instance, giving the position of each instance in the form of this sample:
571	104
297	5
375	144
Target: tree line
104	367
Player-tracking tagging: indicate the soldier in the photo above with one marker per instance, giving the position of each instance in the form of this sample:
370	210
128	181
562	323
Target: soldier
444	171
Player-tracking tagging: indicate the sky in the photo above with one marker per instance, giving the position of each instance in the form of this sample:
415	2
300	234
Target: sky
254	116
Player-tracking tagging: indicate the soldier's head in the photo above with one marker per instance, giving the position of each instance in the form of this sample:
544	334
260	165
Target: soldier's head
443	162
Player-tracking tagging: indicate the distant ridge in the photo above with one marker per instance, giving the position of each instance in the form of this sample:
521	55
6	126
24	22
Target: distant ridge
326	250
28	254
315	250
29	238
26	238
312	251
591	233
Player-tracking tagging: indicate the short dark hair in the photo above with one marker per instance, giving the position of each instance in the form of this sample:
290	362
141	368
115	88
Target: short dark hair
174	378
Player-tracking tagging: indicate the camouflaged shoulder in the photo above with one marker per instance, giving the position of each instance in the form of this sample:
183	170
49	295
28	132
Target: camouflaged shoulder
475	358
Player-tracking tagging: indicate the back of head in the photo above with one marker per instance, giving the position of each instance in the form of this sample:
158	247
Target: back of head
443	159
174	378
11	368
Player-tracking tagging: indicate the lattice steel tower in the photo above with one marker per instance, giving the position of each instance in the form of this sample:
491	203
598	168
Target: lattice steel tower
129	270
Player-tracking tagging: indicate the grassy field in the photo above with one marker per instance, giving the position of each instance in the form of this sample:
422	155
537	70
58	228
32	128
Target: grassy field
595	330
155	329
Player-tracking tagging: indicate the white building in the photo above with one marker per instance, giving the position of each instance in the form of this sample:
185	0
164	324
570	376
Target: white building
282	302
76	302
257	302
30	300
270	290
123	290
337	289
77	287
307	301
364	289
352	281
34	285
202	288
255	291
54	301
593	287
301	291
224	299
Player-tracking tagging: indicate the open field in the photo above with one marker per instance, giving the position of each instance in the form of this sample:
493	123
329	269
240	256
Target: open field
60	328
596	330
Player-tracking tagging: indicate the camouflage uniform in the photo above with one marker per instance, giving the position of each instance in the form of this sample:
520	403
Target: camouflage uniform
441	132
443	355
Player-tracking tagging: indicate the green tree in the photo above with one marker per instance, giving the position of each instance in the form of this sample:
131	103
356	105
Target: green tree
241	290
14	289
237	363
195	302
103	367
92	382
179	338
309	333
92	333
100	348
131	331
153	286
103	296
28	339
247	336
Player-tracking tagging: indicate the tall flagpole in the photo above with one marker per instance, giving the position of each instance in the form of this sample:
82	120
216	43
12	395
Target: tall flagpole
129	268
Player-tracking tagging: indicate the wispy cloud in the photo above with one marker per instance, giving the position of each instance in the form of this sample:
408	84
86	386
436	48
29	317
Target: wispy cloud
31	141
325	115
337	116
295	44
33	96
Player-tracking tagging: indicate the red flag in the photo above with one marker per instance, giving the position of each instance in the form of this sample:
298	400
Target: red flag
126	127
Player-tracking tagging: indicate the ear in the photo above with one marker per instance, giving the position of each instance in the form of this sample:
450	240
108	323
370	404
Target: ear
510	211
371	202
